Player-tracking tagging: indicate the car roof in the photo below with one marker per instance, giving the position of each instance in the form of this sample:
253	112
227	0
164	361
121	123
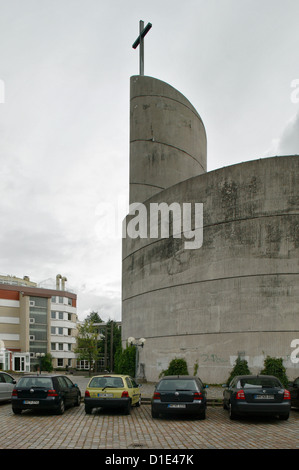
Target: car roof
49	376
173	377
111	375
252	376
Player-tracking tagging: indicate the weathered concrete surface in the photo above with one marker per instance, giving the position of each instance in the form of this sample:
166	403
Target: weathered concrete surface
239	292
167	138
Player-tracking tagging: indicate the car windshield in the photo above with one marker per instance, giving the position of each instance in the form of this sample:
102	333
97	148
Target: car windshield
42	382
106	382
177	384
258	382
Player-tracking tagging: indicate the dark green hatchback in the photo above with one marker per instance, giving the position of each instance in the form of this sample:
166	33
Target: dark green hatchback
45	392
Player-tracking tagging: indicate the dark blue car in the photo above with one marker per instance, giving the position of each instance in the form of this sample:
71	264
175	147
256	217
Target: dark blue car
293	388
248	395
45	392
179	395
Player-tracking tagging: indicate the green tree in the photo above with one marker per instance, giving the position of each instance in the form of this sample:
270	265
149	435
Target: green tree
46	363
240	368
87	342
106	346
94	317
176	367
274	366
125	360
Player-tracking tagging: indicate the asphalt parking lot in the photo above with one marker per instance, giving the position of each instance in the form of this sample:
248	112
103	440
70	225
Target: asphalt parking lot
105	429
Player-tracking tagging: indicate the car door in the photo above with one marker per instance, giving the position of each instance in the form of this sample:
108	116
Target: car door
294	391
229	391
135	391
226	395
72	390
65	391
7	383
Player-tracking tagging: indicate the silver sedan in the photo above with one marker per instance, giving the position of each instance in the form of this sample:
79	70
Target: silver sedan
7	383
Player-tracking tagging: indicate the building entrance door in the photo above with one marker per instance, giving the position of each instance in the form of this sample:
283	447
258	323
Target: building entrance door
19	363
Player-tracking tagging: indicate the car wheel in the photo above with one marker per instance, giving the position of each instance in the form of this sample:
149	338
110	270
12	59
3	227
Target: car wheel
139	402
155	414
202	414
61	408
88	410
284	416
232	414
128	408
17	411
78	400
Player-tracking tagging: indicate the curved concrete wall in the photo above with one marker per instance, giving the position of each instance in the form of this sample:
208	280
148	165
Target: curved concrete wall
239	292
167	138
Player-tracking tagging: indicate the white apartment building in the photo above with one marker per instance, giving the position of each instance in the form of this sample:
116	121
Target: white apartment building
35	321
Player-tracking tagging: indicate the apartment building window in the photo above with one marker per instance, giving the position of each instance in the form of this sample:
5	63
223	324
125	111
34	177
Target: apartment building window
38	325
82	365
56	330
60	315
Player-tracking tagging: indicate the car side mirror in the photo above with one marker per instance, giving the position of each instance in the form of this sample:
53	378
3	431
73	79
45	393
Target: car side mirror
224	385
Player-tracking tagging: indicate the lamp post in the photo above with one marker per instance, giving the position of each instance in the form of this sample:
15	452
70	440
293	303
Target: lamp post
40	356
138	343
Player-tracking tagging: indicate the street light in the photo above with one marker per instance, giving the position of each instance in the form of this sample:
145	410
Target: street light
138	343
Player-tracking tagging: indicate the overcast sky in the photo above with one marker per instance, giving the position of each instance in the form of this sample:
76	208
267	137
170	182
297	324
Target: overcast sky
65	67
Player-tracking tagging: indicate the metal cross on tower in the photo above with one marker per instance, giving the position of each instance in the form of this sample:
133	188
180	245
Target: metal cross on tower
139	41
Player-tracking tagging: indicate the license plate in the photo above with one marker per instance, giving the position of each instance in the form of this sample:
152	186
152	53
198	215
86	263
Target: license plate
264	397
105	395
30	402
176	406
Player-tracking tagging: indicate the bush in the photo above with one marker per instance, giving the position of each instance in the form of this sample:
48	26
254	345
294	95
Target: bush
274	366
240	368
176	367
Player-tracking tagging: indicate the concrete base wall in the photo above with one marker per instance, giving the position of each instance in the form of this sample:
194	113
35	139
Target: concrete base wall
239	292
216	354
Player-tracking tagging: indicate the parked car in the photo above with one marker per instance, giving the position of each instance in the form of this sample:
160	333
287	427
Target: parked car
184	395
112	391
256	395
45	392
293	388
7	383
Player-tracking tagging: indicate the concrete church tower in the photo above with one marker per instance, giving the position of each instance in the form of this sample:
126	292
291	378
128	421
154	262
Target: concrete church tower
236	295
167	138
